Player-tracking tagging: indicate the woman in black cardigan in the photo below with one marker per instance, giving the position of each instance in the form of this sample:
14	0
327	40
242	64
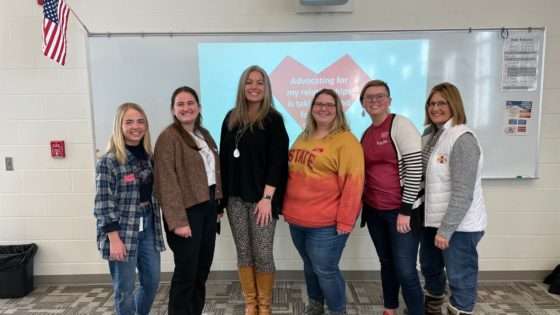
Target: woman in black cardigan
254	163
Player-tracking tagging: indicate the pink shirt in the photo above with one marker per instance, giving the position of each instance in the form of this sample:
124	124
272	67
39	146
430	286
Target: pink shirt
382	183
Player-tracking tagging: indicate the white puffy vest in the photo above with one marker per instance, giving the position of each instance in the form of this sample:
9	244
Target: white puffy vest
438	184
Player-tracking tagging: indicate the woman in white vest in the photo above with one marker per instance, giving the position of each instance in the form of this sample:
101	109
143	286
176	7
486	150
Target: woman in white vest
455	216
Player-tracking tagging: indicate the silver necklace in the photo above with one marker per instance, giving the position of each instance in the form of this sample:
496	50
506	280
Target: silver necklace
238	135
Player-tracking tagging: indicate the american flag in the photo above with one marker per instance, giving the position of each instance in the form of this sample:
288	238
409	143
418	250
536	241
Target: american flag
54	29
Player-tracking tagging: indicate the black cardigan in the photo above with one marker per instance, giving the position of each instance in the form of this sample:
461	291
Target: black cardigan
263	161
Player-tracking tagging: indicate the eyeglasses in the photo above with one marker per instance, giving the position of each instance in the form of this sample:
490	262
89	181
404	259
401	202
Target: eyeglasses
325	105
438	104
375	97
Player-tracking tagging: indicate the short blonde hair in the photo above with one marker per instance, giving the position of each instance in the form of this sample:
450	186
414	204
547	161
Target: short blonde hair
116	143
339	123
453	98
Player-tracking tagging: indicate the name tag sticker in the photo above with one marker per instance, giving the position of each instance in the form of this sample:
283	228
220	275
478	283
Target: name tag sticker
129	178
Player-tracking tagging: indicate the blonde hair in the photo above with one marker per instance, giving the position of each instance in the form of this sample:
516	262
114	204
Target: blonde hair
452	96
116	143
240	113
339	123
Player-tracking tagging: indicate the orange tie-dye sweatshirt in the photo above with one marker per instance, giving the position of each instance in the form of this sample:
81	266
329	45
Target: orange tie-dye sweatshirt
325	182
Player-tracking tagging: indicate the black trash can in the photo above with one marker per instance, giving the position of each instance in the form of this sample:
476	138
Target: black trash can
16	270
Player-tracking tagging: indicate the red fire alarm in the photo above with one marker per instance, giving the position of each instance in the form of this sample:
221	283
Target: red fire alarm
57	149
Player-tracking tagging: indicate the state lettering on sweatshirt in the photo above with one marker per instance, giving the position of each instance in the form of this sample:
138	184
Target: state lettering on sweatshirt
303	157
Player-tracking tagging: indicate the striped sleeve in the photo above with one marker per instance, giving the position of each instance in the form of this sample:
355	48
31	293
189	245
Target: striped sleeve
410	169
409	144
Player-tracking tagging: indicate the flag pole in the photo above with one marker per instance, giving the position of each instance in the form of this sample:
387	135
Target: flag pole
79	20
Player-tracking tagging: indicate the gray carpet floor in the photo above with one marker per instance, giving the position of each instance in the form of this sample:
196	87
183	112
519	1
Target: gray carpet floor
224	298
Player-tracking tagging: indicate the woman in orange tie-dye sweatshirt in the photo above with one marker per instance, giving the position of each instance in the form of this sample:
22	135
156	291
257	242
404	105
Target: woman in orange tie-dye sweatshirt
323	199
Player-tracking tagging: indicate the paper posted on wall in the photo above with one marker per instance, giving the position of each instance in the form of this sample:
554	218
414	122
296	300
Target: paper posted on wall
517	116
520	63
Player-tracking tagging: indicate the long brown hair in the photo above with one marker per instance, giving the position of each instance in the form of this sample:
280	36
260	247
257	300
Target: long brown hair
177	124
239	116
117	143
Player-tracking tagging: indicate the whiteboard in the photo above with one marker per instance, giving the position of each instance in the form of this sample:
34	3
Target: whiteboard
499	73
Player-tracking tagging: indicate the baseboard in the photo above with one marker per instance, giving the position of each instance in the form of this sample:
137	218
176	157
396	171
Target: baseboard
293	275
534	275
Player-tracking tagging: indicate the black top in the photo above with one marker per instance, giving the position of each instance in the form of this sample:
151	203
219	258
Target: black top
263	160
142	171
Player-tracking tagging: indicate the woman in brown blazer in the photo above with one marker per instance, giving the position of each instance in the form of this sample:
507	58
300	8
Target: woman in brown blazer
187	183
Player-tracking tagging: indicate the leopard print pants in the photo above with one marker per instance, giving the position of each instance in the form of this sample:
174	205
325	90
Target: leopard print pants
253	242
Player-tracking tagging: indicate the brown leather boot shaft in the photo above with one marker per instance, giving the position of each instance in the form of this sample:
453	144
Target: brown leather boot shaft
249	288
265	284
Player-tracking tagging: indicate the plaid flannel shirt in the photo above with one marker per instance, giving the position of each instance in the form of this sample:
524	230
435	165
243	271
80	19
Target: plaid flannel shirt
117	200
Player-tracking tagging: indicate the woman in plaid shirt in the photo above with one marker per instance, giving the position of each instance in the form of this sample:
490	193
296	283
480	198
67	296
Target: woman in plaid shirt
129	231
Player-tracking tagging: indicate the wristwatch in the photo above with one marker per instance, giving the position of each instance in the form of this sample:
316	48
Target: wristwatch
269	197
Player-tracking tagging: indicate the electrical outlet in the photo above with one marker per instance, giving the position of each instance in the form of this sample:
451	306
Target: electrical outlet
9	164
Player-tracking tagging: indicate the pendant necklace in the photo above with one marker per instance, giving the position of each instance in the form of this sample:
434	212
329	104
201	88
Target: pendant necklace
238	135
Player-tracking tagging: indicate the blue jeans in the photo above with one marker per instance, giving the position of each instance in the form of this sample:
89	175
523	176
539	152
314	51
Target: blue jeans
127	300
460	261
397	254
321	249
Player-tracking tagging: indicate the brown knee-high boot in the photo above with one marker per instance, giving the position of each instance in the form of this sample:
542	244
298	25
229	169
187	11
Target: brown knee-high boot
249	288
265	283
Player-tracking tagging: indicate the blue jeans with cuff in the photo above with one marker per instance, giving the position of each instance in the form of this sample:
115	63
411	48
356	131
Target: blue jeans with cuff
129	301
460	261
321	250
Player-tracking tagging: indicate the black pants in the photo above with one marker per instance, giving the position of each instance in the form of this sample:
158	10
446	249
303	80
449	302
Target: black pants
193	258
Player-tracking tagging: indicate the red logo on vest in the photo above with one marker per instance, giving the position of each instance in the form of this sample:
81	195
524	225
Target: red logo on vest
441	158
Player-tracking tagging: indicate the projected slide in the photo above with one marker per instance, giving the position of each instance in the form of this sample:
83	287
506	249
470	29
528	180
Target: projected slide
299	69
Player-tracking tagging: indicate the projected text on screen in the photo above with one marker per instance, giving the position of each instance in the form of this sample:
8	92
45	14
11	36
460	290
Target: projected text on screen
299	69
